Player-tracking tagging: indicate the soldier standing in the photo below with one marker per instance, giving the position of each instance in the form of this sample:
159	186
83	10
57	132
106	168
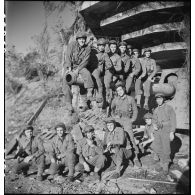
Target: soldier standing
30	151
90	154
148	72
111	69
125	111
62	153
77	58
134	69
165	118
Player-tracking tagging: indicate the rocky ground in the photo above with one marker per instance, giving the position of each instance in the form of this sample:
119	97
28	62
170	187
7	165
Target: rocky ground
145	179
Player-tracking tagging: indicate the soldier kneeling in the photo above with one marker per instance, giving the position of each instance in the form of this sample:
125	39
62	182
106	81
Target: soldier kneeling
90	153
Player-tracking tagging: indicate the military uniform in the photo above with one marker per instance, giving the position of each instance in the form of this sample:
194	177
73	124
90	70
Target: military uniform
125	112
77	58
65	148
135	68
112	69
149	70
165	117
117	140
33	147
92	155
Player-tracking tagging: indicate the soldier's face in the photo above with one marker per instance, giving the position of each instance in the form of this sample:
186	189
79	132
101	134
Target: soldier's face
136	54
101	48
122	48
60	131
120	91
110	126
159	100
147	54
113	48
130	51
148	121
28	133
81	41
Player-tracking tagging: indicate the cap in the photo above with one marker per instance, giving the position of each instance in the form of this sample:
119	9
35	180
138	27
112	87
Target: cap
88	128
112	42
81	35
135	50
159	95
129	46
101	41
109	120
119	84
62	125
28	127
147	50
148	116
122	43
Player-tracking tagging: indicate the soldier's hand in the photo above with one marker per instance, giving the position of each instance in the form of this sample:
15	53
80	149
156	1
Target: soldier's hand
172	136
86	167
155	127
28	158
132	75
53	160
76	72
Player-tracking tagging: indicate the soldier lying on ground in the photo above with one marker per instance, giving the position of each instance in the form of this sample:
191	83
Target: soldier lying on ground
165	118
62	153
90	153
30	151
77	58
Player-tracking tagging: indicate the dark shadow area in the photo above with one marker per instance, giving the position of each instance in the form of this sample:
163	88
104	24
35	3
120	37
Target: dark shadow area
175	146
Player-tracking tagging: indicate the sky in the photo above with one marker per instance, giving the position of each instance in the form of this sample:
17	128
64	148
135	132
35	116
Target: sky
25	19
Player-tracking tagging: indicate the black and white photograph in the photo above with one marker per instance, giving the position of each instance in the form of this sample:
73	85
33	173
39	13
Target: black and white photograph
97	97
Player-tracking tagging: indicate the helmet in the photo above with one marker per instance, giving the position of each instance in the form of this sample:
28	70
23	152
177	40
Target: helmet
112	42
147	50
159	95
122	43
119	84
88	128
62	125
28	127
101	41
148	116
129	46
109	120
135	50
81	35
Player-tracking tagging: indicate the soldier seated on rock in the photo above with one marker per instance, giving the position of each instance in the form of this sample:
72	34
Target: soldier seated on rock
90	153
30	152
77	58
62	153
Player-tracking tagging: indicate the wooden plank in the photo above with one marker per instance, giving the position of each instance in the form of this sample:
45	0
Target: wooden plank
147	7
154	29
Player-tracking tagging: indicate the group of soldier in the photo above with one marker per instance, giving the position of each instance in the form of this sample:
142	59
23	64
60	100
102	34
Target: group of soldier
103	69
119	146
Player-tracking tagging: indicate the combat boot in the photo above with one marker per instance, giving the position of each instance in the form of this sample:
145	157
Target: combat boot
83	103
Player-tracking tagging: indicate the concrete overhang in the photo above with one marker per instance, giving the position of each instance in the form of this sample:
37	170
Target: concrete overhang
155	34
169	55
142	16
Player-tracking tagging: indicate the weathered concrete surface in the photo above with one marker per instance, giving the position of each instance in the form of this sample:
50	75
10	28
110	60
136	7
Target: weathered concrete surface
151	6
166	27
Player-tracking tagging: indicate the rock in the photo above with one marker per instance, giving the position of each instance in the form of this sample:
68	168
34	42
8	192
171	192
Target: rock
183	163
152	191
